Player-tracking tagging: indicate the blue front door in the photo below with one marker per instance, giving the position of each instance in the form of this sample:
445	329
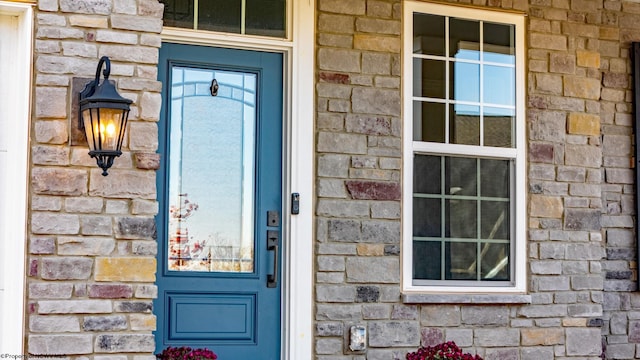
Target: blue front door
220	186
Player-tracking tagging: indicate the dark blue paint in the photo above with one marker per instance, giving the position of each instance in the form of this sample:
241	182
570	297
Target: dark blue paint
235	315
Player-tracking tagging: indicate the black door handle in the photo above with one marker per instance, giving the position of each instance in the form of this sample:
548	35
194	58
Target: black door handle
272	245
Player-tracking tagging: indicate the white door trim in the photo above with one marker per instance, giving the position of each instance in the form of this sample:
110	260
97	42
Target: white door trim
299	150
16	23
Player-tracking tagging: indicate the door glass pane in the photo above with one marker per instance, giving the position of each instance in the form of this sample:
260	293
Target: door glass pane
211	171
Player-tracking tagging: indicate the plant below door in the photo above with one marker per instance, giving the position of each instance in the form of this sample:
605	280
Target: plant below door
186	353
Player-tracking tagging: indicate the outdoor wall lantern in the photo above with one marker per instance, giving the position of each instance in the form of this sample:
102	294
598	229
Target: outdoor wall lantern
103	116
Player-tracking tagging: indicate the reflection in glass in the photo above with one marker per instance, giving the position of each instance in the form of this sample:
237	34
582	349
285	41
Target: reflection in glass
499	127
426	217
429	261
464	124
461	260
461	176
252	17
464	36
428	34
461	219
465	81
432	82
178	13
499	85
495	177
266	18
220	15
494	259
211	171
468	217
426	174
495	220
499	43
429	121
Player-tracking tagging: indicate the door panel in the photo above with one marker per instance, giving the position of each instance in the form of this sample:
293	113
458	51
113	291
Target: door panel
221	145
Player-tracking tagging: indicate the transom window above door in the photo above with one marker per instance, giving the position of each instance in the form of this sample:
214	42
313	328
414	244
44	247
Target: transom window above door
246	17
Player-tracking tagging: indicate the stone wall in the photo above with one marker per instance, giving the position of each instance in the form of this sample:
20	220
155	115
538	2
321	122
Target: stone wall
581	244
91	247
92	242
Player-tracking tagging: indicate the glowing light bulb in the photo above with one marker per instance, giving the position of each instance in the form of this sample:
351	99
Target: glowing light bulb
111	129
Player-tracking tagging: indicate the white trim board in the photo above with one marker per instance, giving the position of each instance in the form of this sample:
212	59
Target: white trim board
297	305
16	24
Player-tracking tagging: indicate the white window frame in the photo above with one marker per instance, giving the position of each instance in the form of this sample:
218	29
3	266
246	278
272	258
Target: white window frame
518	283
15	109
298	51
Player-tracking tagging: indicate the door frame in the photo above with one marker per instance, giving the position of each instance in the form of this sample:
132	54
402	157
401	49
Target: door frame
16	107
298	162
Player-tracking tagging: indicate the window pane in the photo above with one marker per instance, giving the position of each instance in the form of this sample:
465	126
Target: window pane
461	176
428	261
430	78
494	222
495	177
465	124
464	39
461	260
178	13
465	82
426	174
499	85
429	121
499	45
495	262
426	217
461	219
473	215
428	34
266	17
252	17
220	15
499	127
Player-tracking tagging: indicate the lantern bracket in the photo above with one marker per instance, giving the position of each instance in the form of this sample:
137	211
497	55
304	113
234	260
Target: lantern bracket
91	86
103	117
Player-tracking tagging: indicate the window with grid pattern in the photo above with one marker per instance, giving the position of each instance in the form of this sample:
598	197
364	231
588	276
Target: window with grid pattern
464	161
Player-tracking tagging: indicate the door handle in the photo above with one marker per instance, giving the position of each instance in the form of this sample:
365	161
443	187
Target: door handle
272	245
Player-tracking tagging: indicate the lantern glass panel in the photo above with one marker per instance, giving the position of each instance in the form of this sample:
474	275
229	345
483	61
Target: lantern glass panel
103	127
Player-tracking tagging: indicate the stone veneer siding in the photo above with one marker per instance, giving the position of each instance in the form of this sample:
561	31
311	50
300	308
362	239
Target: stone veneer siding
91	246
91	239
581	244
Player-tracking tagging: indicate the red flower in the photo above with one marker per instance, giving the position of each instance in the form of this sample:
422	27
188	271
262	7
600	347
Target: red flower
186	353
444	351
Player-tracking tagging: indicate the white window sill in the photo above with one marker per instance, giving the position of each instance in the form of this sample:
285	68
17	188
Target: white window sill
466	298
